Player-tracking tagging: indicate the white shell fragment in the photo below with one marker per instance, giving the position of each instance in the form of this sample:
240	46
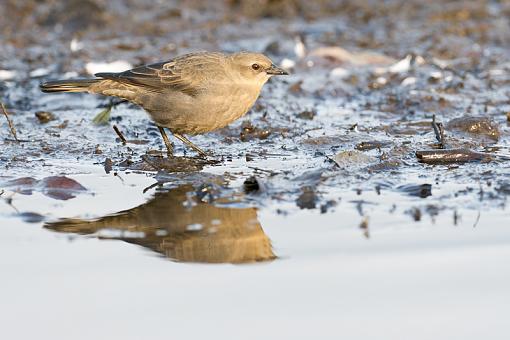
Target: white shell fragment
116	66
7	74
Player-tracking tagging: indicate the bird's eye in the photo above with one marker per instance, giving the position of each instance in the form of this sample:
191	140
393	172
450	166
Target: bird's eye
255	66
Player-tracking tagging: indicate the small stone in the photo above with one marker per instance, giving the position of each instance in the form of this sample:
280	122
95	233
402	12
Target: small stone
44	116
351	158
419	190
307	115
251	185
108	164
307	199
477	126
326	206
98	151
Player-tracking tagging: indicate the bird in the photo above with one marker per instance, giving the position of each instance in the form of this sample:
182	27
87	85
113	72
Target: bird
192	94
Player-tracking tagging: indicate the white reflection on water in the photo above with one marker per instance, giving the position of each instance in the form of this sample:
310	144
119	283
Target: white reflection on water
407	281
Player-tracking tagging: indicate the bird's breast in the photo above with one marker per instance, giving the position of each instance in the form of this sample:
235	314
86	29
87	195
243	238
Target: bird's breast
240	101
210	110
231	105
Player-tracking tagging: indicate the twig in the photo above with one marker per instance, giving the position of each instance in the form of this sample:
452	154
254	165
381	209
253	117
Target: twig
18	141
8	200
449	156
477	219
151	186
121	136
9	121
116	174
270	172
439	132
330	160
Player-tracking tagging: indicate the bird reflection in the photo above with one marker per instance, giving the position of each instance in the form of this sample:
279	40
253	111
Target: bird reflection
179	227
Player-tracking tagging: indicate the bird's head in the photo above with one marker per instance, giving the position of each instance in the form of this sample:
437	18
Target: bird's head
254	67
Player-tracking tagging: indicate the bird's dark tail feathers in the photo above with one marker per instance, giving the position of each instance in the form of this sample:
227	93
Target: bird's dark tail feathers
71	85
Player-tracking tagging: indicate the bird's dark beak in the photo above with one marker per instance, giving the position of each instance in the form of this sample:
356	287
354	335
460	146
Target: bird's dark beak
276	71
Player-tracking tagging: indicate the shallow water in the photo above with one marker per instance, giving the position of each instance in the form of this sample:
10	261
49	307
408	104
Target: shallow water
318	220
317	275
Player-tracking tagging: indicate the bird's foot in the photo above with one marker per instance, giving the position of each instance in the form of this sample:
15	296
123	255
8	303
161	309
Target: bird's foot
186	141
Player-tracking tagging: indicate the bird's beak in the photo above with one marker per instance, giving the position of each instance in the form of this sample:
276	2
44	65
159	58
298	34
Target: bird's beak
276	71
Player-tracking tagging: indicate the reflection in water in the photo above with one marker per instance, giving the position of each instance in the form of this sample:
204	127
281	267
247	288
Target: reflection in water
170	225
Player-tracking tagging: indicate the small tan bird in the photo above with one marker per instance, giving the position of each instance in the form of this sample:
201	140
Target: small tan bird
191	94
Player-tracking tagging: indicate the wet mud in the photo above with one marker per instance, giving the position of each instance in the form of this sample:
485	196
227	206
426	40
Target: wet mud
415	110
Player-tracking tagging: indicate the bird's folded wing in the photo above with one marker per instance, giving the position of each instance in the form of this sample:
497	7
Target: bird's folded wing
189	73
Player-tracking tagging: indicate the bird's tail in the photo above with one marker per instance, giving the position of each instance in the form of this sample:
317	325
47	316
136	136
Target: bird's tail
71	85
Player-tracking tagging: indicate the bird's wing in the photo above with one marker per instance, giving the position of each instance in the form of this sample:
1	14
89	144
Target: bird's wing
188	73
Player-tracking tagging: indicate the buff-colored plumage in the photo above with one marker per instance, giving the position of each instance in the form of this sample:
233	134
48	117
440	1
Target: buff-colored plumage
191	94
232	235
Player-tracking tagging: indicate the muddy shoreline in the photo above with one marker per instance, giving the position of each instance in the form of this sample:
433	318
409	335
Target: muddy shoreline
360	112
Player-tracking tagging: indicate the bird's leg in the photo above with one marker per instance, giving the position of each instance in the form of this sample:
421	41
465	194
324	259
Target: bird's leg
168	144
191	145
